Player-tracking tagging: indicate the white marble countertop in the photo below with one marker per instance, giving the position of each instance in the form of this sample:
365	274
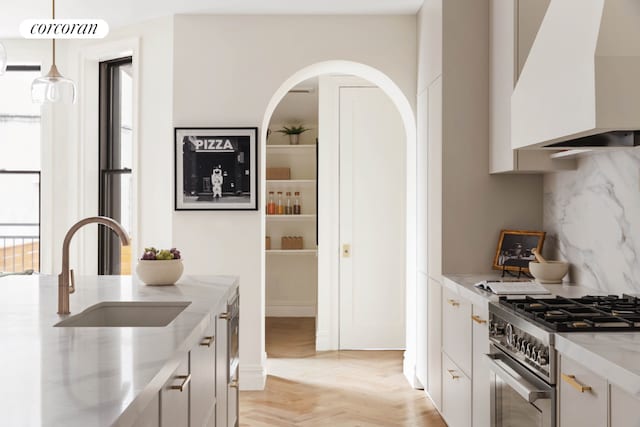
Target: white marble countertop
464	285
55	376
613	355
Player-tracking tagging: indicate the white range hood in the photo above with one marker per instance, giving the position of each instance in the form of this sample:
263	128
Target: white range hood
581	78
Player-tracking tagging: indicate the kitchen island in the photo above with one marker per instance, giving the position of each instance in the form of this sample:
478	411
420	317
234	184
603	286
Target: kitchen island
95	376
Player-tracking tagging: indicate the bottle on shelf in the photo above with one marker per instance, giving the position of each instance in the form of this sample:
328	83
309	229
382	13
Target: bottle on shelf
271	204
297	209
288	209
280	206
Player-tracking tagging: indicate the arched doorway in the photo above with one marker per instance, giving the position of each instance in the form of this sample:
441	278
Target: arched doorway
327	326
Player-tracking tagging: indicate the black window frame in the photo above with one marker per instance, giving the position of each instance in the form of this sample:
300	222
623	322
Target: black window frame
109	162
37	68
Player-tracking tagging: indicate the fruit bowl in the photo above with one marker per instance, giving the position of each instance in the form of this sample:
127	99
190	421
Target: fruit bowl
160	267
157	273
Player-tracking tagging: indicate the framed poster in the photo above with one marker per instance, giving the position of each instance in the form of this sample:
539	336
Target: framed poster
515	249
216	169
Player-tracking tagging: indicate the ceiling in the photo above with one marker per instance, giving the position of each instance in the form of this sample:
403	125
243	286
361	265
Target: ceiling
119	13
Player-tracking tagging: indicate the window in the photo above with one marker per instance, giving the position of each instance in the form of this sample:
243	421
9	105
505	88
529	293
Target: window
19	171
116	162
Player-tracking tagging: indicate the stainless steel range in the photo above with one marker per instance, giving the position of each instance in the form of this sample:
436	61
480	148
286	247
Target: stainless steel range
523	357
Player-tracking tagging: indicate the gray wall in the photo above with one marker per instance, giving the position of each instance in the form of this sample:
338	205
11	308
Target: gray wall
591	216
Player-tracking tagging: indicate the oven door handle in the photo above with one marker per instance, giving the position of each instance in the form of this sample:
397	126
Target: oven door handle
524	388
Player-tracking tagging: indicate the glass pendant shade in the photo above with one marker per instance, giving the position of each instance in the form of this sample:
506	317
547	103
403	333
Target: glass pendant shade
53	88
3	59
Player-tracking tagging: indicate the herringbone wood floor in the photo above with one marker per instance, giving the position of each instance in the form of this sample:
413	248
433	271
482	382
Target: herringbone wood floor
334	388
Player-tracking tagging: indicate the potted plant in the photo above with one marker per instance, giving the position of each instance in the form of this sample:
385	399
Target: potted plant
293	132
160	266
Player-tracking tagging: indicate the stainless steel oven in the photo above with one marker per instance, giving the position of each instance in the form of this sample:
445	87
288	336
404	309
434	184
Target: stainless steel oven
518	397
233	308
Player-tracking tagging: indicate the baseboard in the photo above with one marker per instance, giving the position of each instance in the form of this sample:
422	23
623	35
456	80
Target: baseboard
322	341
409	371
291	310
252	377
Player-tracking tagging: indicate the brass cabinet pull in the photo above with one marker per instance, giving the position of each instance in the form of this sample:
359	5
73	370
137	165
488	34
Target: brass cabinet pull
571	380
453	376
226	315
453	302
234	384
479	320
207	341
185	381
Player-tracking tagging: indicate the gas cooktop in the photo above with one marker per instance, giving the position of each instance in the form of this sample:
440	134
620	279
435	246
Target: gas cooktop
587	314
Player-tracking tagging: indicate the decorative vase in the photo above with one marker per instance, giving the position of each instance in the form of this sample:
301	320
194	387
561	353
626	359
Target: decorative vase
159	272
294	139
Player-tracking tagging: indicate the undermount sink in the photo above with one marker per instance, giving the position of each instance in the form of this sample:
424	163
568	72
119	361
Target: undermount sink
126	314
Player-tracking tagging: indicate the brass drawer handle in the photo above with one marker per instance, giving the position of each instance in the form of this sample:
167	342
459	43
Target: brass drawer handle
207	341
453	376
185	381
226	315
479	320
453	302
234	384
571	380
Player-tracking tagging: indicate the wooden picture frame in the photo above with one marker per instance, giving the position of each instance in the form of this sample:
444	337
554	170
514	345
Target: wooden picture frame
216	168
514	249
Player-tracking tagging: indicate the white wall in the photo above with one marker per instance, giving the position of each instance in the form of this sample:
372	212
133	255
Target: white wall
226	69
76	139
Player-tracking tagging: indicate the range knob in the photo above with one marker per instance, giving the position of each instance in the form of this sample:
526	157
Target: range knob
543	358
527	350
508	331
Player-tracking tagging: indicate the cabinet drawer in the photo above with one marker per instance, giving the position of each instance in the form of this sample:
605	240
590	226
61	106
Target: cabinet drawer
456	329
582	395
174	397
456	394
624	409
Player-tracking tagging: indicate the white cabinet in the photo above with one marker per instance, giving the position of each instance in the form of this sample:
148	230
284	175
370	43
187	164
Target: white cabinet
203	380
222	372
456	329
434	343
174	397
514	25
150	417
480	383
456	394
624	410
582	395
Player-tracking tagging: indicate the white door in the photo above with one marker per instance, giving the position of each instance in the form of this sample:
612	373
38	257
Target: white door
372	266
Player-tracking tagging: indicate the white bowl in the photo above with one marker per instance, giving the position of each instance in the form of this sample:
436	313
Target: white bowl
159	272
549	272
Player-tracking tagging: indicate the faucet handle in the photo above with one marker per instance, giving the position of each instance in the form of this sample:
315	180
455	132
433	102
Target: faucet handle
72	281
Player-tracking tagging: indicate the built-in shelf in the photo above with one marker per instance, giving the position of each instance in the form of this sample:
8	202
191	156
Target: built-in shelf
291	181
291	147
291	251
290	217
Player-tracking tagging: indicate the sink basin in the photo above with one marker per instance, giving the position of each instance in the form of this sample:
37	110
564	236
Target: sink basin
126	314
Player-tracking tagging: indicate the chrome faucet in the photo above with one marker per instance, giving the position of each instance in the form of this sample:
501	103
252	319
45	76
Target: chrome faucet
66	281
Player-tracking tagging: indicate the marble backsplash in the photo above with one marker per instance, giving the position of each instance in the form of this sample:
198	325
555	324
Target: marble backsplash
592	220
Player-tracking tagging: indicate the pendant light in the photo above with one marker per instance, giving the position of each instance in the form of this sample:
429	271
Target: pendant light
53	88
